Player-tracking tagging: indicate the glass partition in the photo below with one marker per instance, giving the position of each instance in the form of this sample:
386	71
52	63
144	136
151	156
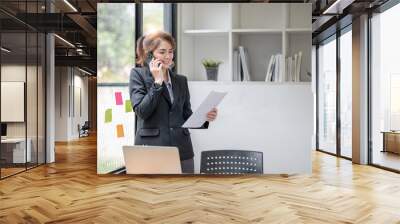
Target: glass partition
13	94
327	96
31	98
22	90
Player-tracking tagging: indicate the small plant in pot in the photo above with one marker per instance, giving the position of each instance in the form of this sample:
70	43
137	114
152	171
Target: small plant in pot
211	67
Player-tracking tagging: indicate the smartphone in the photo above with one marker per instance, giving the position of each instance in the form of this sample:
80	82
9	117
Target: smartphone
149	58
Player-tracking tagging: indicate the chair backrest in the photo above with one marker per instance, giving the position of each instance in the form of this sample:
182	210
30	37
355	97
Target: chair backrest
86	125
231	162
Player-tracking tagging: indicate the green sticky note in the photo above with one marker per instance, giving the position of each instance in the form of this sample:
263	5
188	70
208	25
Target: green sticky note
108	116
128	106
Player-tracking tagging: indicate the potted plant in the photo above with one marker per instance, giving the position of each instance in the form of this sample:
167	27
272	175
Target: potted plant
211	67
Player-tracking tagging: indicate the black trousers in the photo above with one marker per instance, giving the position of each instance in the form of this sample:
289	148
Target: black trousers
187	166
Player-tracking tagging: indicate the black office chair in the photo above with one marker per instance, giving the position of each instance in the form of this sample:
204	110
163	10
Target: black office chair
231	162
84	130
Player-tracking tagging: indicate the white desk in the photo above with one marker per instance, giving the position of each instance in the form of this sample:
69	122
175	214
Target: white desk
18	149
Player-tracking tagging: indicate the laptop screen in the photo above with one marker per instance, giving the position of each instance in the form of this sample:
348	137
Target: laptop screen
152	160
3	129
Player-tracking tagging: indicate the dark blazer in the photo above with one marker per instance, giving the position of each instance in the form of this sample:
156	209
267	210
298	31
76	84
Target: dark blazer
158	120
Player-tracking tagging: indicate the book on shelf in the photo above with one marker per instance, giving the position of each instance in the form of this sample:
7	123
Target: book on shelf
244	63
280	69
289	62
236	71
298	66
282	73
294	63
276	70
241	65
270	68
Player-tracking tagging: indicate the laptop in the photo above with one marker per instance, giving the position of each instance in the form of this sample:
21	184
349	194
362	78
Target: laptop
152	160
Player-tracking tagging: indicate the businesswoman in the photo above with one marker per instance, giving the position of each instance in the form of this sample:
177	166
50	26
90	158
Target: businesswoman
161	99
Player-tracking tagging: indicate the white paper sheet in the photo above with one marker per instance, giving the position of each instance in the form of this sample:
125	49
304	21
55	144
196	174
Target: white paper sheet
200	115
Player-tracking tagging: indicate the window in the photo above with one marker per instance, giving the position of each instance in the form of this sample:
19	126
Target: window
115	43
153	17
327	96
385	87
395	101
346	93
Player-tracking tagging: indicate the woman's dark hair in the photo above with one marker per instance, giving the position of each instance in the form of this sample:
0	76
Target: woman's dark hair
148	43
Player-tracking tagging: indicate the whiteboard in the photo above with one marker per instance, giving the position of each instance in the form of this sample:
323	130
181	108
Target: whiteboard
12	101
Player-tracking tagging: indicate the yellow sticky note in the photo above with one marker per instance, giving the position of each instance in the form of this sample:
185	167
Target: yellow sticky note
108	116
120	131
128	106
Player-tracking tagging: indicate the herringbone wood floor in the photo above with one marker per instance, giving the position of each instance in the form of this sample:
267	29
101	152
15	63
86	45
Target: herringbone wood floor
70	191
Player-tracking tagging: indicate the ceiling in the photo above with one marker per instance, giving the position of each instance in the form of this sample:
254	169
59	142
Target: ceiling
75	21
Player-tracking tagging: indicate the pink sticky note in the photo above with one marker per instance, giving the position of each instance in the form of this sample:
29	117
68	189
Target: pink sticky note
118	98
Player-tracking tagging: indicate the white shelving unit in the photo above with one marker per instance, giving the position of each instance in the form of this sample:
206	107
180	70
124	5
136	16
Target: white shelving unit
215	30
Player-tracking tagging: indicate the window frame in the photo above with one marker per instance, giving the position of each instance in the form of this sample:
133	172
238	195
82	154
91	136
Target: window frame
333	37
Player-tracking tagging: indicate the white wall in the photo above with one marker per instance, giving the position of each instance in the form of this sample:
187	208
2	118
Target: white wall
69	85
80	84
61	103
276	119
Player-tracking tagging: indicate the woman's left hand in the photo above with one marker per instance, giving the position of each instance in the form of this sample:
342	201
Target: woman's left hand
212	114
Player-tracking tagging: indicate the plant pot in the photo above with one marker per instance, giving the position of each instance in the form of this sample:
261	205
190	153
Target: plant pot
212	73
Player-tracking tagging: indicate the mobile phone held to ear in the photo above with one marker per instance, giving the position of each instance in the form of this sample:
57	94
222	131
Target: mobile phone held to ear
150	57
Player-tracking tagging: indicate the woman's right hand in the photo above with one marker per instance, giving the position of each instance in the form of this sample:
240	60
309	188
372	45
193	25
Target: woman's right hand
156	70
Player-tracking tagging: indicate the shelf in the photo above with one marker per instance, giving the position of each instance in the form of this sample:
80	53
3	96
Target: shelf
208	30
204	32
215	32
249	31
251	83
298	30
